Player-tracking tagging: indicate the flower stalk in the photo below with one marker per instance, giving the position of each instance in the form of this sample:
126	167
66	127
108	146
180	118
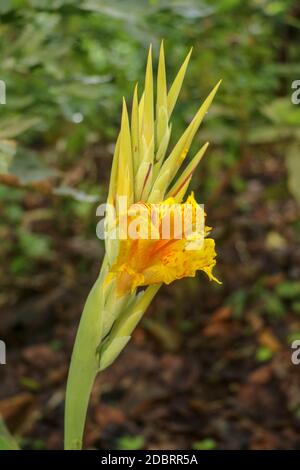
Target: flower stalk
134	268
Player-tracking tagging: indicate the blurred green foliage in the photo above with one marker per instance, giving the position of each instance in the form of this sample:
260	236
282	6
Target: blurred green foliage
205	444
7	442
67	63
130	443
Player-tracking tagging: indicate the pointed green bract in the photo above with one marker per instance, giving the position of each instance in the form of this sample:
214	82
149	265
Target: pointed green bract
125	165
148	114
135	129
160	154
152	177
161	101
125	324
178	190
177	84
143	178
179	152
114	174
141	110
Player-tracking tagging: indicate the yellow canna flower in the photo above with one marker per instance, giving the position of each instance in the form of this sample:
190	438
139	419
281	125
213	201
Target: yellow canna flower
154	257
142	173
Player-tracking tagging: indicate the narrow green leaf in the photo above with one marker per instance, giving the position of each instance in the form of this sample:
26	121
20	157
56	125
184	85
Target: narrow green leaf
162	99
111	353
7	442
125	324
179	188
177	84
125	166
135	131
179	152
114	173
148	115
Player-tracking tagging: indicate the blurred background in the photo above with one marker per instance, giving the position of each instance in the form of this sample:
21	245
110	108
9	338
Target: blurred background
210	366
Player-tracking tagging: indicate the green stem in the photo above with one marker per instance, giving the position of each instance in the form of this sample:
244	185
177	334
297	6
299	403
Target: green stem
96	320
84	366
